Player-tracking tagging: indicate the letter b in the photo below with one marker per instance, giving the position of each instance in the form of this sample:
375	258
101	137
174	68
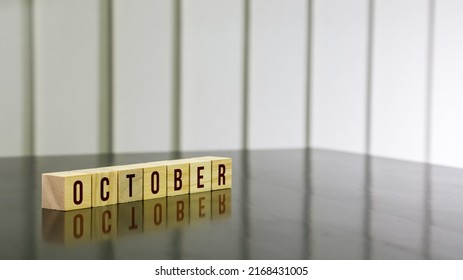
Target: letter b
177	179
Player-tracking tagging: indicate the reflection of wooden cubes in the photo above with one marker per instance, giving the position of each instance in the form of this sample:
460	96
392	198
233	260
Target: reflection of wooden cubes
178	177
130	218
104	222
71	227
200	207
178	211
154	214
154	180
130	183
66	190
200	175
221	204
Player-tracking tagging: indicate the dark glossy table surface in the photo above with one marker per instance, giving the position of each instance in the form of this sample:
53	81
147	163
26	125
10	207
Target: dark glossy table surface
284	204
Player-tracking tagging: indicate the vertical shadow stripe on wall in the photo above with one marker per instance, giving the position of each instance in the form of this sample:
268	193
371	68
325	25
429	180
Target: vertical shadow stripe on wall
429	80
246	42
106	77
369	74
308	85
29	134
177	70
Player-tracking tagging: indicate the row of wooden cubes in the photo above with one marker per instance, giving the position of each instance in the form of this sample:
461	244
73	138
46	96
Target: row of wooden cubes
78	189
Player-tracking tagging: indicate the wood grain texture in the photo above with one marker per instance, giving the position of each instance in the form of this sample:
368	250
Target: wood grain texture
221	204
178	177
200	207
155	214
178	211
67	190
130	184
154	180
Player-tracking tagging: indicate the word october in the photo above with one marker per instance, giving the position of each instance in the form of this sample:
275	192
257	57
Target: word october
78	189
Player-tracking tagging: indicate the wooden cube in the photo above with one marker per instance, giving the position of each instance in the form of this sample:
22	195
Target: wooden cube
178	211
104	186
72	227
221	204
200	207
130	218
66	190
155	214
221	173
200	175
178	177
154	180
104	222
130	183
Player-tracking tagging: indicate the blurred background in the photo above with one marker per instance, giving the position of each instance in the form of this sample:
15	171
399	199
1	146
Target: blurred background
378	77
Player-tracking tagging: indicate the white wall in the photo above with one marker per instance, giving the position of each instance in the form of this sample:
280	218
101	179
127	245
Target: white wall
142	75
211	77
277	89
398	118
447	98
70	82
67	84
15	121
339	80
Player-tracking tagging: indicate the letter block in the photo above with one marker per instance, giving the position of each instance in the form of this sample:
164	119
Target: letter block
154	180
69	190
200	175
130	183
221	173
178	177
